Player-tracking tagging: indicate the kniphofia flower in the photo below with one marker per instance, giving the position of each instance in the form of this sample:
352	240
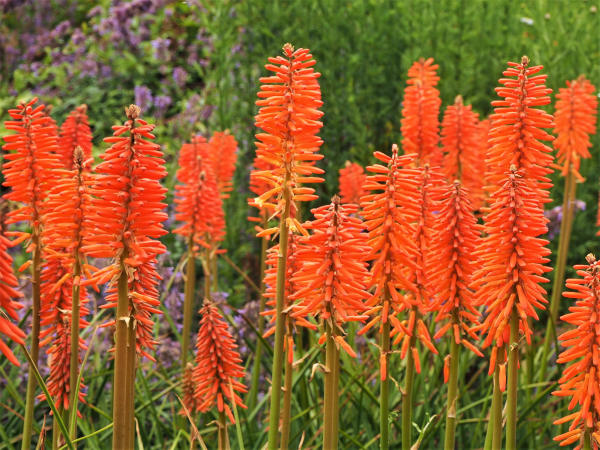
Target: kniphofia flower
513	260
217	364
75	132
581	379
223	156
461	146
452	265
420	112
352	182
8	305
127	220
333	272
289	117
188	400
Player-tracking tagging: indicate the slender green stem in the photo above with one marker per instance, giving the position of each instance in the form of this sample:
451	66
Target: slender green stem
559	271
587	439
74	362
496	418
279	319
329	440
384	405
336	398
213	269
56	432
511	402
35	341
407	395
287	399
207	275
223	441
253	393
188	302
122	405
452	396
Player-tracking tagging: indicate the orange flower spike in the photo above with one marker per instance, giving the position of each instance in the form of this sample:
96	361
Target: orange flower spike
456	235
352	181
333	269
516	133
217	364
580	380
223	156
513	259
289	117
420	114
188	400
575	118
127	219
8	305
75	132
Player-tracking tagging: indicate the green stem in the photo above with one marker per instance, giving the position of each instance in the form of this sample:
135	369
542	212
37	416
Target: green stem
35	342
223	441
496	414
122	405
253	393
74	362
511	402
213	269
407	395
330	391
452	396
384	408
336	398
287	401
587	439
206	267
188	302
559	271
56	432
279	319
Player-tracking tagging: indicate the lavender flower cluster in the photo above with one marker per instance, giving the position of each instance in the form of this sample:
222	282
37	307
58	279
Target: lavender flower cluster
555	216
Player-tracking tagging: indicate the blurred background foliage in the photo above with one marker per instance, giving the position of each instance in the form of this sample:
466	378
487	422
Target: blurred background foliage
193	66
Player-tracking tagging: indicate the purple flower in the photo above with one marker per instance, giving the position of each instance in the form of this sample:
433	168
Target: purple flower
180	76
555	216
143	97
161	104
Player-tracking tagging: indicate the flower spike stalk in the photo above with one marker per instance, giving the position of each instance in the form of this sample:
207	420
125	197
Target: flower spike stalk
289	117
333	277
127	220
392	252
457	233
575	117
27	172
580	380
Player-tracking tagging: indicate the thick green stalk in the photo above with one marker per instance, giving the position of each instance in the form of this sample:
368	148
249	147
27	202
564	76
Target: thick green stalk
253	393
407	395
452	396
384	405
587	439
559	271
188	302
279	319
287	400
511	401
336	398
122	405
223	441
329	440
496	417
74	362
35	341
213	269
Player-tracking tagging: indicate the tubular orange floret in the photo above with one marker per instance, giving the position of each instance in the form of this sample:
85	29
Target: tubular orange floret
456	235
127	219
479	197
516	133
580	380
223	156
217	364
333	273
461	146
75	132
30	168
289	117
420	114
197	200
575	118
352	181
513	260
8	305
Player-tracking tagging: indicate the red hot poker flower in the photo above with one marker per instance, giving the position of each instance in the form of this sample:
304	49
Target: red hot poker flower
575	117
289	117
75	132
452	266
513	261
223	155
581	379
127	219
217	364
8	306
333	271
420	114
352	182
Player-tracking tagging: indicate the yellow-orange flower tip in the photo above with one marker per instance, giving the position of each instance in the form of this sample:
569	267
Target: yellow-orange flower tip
132	112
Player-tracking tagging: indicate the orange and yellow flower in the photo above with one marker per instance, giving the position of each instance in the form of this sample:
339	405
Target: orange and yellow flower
8	305
75	132
223	156
352	182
